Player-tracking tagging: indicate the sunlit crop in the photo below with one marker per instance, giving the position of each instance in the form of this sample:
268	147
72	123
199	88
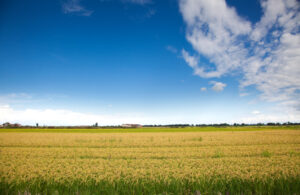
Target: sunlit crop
143	163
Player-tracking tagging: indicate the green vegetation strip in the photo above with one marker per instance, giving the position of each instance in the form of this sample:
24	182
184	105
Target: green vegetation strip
149	129
216	185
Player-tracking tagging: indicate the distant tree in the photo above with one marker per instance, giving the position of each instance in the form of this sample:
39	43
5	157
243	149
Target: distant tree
96	124
223	124
37	125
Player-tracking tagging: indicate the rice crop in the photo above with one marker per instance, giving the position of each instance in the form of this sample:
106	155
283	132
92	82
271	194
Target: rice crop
234	162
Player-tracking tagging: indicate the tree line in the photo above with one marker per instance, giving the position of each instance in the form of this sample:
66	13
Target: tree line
95	125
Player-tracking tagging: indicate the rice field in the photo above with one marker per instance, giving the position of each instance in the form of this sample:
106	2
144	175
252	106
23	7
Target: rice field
199	162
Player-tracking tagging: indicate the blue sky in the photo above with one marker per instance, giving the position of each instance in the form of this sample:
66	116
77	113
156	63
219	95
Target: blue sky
77	62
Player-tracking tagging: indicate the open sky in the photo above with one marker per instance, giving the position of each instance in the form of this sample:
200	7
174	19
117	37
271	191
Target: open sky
77	62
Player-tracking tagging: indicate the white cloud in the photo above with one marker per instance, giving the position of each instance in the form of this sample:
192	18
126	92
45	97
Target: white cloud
140	2
15	98
192	61
244	94
150	13
267	53
171	49
30	116
255	112
73	6
213	29
203	89
65	117
265	118
218	86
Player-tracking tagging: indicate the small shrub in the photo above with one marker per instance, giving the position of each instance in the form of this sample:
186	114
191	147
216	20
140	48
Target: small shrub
199	139
218	154
266	153
292	153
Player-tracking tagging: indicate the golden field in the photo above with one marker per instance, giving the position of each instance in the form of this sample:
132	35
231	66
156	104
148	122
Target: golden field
142	163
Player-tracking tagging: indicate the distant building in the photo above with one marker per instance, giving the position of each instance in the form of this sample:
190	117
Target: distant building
131	126
16	125
6	124
11	125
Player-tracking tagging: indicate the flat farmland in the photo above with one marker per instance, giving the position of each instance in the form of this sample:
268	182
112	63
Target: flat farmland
212	161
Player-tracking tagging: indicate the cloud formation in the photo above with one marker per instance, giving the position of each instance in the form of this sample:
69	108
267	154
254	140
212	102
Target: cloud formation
266	53
217	86
140	2
192	61
171	49
64	117
203	89
73	6
255	112
266	118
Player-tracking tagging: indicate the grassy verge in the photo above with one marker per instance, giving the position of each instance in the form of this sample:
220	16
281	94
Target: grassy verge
151	129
